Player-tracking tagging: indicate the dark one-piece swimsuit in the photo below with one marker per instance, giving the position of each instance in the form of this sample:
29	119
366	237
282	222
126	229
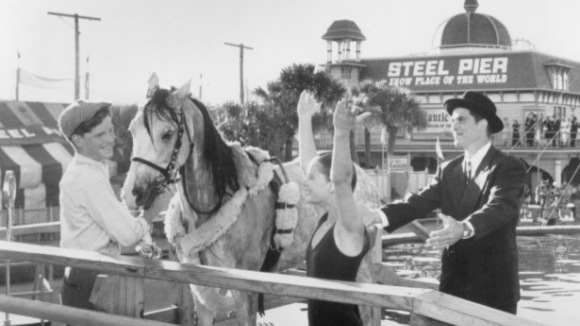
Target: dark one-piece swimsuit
327	262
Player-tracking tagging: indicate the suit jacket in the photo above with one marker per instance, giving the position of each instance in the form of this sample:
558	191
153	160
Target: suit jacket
483	268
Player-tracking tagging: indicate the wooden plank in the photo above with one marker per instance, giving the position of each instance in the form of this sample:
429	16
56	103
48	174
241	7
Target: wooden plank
68	315
286	285
51	227
456	311
427	303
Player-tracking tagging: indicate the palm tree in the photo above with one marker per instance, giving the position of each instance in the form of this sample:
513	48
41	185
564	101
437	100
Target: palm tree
392	107
282	95
252	124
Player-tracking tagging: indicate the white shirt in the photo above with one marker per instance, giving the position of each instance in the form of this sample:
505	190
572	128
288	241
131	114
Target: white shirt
477	157
91	216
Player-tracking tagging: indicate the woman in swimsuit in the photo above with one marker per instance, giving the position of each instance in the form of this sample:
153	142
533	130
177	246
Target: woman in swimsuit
340	241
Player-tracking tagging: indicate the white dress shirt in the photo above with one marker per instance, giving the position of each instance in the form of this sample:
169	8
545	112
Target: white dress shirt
91	216
476	158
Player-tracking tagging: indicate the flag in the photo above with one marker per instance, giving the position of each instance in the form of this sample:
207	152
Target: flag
438	149
383	136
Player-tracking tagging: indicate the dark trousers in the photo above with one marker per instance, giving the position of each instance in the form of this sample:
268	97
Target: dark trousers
512	309
76	288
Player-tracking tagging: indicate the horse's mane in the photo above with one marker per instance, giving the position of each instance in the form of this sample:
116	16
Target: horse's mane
216	151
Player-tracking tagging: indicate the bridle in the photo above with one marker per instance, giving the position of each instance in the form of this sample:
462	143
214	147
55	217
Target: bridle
171	171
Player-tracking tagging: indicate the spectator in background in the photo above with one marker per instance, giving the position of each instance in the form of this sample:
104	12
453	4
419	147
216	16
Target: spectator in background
548	129
573	130
564	132
516	133
506	134
556	124
529	129
540	130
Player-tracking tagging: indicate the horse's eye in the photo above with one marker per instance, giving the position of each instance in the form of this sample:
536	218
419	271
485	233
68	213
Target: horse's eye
167	136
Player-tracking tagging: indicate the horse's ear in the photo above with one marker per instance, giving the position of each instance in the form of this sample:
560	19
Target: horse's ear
179	95
184	91
153	84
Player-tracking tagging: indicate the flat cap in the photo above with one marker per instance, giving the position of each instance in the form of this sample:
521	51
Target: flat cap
76	113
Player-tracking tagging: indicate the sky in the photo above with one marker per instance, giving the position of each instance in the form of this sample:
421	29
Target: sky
183	40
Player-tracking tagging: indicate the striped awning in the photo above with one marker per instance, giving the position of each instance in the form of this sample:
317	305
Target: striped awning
32	147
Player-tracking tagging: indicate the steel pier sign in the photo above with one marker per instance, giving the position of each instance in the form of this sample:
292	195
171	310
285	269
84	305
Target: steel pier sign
484	71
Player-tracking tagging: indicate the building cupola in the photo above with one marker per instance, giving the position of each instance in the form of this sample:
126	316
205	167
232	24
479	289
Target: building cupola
474	30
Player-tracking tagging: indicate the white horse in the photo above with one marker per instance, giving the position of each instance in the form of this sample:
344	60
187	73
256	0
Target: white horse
225	210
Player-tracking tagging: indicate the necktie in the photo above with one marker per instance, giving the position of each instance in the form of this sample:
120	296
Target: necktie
467	171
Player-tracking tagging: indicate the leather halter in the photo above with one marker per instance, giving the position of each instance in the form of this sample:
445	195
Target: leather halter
171	171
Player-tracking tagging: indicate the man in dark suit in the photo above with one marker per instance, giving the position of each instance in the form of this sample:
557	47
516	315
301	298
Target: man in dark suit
479	195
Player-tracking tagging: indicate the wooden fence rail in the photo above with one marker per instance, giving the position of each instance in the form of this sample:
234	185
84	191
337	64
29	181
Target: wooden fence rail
427	307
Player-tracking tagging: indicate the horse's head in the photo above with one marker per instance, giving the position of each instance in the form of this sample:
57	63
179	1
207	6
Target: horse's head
163	138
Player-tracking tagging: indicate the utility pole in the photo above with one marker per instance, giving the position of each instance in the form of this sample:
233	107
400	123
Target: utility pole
77	33
242	48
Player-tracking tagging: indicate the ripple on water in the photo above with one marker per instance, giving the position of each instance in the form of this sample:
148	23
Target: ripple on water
408	272
423	259
524	273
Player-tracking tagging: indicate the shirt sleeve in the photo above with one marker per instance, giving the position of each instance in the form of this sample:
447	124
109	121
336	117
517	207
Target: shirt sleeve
111	215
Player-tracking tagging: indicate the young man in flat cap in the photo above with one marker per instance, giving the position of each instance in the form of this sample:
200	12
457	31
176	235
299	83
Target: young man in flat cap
91	216
479	194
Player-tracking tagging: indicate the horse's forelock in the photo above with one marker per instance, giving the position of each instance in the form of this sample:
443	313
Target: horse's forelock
157	107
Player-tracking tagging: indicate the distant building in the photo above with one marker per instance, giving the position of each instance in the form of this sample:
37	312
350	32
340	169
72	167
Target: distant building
475	52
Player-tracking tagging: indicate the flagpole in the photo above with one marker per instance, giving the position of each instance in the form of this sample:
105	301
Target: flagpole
87	85
18	77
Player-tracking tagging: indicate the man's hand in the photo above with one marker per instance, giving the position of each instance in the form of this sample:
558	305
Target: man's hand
307	105
451	233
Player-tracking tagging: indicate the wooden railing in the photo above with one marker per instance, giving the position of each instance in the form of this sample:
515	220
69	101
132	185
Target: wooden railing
427	307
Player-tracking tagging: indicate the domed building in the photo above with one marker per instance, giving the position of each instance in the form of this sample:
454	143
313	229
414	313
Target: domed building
471	30
474	52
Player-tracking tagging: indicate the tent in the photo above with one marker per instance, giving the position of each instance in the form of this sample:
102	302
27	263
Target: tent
31	146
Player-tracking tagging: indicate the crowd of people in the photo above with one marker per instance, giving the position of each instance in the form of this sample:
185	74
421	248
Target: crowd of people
550	203
542	131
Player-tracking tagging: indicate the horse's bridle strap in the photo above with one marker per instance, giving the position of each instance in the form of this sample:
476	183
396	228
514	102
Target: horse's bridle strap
170	171
152	165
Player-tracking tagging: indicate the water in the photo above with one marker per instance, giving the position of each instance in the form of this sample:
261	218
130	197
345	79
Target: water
549	275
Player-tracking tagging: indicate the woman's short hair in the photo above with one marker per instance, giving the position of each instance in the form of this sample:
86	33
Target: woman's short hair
325	161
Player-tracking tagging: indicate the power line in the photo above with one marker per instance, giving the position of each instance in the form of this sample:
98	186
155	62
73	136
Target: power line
242	48
77	33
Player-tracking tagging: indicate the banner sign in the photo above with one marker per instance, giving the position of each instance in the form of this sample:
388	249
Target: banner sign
29	135
454	72
398	163
27	123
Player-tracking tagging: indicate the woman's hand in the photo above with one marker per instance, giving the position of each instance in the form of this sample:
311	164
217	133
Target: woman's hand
345	115
307	105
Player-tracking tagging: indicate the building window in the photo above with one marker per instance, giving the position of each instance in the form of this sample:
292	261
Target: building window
559	75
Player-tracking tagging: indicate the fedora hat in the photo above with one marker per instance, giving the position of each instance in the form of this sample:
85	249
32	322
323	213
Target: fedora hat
477	103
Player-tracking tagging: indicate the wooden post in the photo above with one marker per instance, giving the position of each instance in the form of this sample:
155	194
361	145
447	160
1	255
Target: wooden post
377	258
185	306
